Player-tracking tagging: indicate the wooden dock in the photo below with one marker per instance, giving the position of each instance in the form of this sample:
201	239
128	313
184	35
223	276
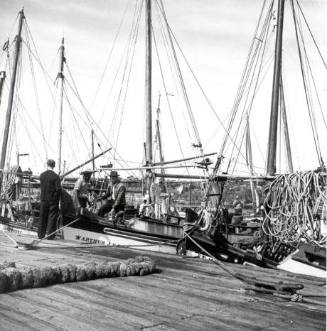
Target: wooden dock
188	294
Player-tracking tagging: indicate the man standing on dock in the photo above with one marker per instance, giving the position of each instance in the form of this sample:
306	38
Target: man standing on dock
50	194
115	196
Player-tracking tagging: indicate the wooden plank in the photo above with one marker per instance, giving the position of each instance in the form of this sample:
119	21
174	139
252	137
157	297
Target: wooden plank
189	294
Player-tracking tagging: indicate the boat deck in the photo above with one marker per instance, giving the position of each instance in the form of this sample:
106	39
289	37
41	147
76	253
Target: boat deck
188	294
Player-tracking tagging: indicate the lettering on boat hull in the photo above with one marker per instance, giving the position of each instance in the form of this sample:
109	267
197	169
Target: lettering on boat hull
117	239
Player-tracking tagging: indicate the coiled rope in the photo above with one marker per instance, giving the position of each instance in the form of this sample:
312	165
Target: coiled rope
295	206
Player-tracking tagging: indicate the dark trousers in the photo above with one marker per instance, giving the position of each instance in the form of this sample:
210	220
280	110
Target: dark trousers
107	206
48	218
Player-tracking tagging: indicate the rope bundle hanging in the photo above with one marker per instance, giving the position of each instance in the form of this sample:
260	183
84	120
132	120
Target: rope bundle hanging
295	206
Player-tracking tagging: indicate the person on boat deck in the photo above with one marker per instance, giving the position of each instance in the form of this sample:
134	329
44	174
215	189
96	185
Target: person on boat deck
237	205
115	196
145	208
50	195
142	207
81	190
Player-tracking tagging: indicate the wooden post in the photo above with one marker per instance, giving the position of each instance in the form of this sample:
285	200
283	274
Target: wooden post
272	139
11	91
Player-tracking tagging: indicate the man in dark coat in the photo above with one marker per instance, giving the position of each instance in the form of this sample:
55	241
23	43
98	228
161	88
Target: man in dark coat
50	194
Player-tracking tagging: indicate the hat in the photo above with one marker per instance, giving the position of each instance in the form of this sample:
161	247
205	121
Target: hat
51	163
113	173
86	172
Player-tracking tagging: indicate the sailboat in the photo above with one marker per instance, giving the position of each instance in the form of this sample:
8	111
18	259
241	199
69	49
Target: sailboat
155	231
151	231
292	211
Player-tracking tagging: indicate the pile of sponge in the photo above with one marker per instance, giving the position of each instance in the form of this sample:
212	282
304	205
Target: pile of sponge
13	278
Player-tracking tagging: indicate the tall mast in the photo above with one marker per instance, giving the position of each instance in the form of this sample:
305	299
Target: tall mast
92	148
286	132
158	135
61	77
2	80
272	140
148	83
249	161
12	90
158	132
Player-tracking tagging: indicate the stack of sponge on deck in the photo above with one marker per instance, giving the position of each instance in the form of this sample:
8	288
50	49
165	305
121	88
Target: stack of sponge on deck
12	278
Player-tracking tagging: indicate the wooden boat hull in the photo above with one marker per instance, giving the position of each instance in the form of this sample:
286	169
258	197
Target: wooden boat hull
112	237
149	234
18	231
307	260
146	234
291	265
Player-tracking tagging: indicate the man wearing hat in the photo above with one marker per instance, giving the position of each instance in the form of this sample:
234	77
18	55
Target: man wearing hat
81	190
50	194
115	196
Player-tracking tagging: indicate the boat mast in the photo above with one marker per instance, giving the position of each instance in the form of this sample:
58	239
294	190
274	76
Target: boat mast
285	127
2	80
12	90
249	161
158	136
158	131
92	147
61	77
148	83
272	140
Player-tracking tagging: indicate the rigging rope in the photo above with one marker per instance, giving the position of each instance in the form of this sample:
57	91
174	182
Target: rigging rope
167	97
38	60
256	42
74	146
306	88
181	81
133	45
36	96
91	120
130	47
309	69
311	34
110	54
195	78
253	75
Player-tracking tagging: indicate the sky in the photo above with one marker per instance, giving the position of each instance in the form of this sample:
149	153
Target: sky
215	37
